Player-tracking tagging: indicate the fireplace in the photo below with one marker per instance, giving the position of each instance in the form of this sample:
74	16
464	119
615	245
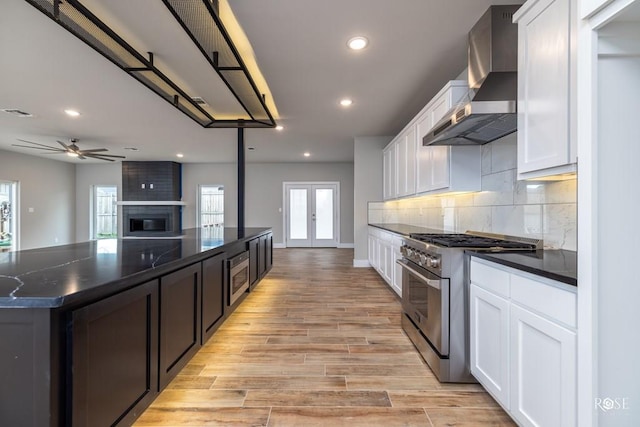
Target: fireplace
151	205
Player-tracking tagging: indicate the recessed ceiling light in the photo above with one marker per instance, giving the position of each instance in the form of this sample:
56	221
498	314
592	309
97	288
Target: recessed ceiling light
279	127
180	155
72	113
357	43
346	102
307	154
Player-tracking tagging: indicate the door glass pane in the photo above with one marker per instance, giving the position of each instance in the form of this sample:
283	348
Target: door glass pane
211	206
298	213
324	213
106	211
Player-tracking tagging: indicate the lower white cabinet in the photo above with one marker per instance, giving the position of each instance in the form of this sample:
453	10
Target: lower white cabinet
523	343
384	250
490	342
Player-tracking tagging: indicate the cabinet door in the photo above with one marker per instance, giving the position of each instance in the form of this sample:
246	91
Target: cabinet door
401	161
397	269
410	162
489	332
424	164
543	371
262	256
544	86
269	254
114	360
213	294
373	256
253	261
390	171
387	270
179	320
440	167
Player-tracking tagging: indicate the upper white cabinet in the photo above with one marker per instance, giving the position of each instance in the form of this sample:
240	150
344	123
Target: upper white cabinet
390	154
546	88
523	343
419	169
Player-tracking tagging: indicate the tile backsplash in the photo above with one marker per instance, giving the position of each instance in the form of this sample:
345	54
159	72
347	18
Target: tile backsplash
539	209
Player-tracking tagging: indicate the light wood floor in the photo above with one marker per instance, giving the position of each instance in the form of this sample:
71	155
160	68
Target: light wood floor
318	343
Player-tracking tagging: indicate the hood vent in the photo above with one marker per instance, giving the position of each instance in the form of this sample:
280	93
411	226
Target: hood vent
488	112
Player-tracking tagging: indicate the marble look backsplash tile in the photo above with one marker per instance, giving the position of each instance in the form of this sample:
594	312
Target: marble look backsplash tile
537	209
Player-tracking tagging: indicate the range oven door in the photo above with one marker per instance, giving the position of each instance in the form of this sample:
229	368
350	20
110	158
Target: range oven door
425	299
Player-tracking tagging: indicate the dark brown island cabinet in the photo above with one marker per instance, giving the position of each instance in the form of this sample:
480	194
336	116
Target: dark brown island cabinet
102	360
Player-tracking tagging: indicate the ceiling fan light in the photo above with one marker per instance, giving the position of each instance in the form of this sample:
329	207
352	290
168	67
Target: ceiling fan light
72	154
72	113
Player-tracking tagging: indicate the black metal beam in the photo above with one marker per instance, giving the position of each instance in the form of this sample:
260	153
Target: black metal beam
241	176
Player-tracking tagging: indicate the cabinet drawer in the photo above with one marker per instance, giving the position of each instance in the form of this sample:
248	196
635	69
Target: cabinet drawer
492	279
556	303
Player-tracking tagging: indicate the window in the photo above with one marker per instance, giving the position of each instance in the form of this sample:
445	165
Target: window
8	236
105	212
211	206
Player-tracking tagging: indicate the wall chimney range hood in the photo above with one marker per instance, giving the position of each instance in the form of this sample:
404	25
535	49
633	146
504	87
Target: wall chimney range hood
488	112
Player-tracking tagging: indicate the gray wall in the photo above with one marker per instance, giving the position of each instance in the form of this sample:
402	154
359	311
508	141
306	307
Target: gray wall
264	193
87	176
47	186
367	177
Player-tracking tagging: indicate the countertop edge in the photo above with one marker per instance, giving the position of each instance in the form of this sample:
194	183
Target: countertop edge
573	281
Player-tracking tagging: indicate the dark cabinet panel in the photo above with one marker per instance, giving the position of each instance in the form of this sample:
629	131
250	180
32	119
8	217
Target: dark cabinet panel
269	254
254	273
114	357
262	256
213	294
179	320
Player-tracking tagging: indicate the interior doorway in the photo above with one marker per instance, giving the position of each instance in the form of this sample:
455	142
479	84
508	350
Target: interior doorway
311	214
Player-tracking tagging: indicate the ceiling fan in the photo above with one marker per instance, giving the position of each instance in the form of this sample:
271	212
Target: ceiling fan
71	150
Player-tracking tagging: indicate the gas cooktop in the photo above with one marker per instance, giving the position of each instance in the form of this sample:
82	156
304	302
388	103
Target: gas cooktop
460	240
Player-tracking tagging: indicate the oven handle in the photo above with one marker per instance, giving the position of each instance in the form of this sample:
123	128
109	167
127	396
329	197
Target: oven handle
433	283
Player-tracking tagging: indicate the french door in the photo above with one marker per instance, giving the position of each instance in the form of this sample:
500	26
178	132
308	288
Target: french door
311	214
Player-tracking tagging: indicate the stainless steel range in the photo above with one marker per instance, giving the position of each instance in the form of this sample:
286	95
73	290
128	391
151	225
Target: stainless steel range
435	295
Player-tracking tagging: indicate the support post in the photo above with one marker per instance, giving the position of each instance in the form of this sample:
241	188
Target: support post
241	177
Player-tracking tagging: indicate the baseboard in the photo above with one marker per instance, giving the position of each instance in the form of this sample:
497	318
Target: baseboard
346	246
361	263
279	246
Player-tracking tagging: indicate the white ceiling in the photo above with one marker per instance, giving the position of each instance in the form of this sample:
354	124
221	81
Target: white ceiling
300	46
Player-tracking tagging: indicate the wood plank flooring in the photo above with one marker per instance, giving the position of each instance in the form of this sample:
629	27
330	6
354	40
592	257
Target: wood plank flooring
318	343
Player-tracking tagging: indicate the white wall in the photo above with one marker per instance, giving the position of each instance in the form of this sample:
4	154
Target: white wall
47	186
367	177
505	205
264	193
88	176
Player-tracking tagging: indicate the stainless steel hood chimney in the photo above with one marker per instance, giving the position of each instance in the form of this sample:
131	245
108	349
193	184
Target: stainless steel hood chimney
489	110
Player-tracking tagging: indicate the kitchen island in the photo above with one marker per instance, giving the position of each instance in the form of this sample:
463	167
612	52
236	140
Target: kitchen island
91	332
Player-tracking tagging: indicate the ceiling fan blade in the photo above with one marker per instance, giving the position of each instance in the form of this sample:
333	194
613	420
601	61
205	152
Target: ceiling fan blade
93	150
65	146
55	150
38	144
104	155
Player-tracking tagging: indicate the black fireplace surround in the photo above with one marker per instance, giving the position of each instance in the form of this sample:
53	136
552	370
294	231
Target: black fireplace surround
149	182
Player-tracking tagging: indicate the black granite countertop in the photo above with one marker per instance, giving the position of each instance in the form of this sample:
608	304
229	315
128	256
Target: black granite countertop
405	229
555	264
63	275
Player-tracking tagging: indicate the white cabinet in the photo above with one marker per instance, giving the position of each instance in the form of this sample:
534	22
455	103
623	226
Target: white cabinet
390	190
445	168
490	342
546	88
406	162
384	250
523	343
543	370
